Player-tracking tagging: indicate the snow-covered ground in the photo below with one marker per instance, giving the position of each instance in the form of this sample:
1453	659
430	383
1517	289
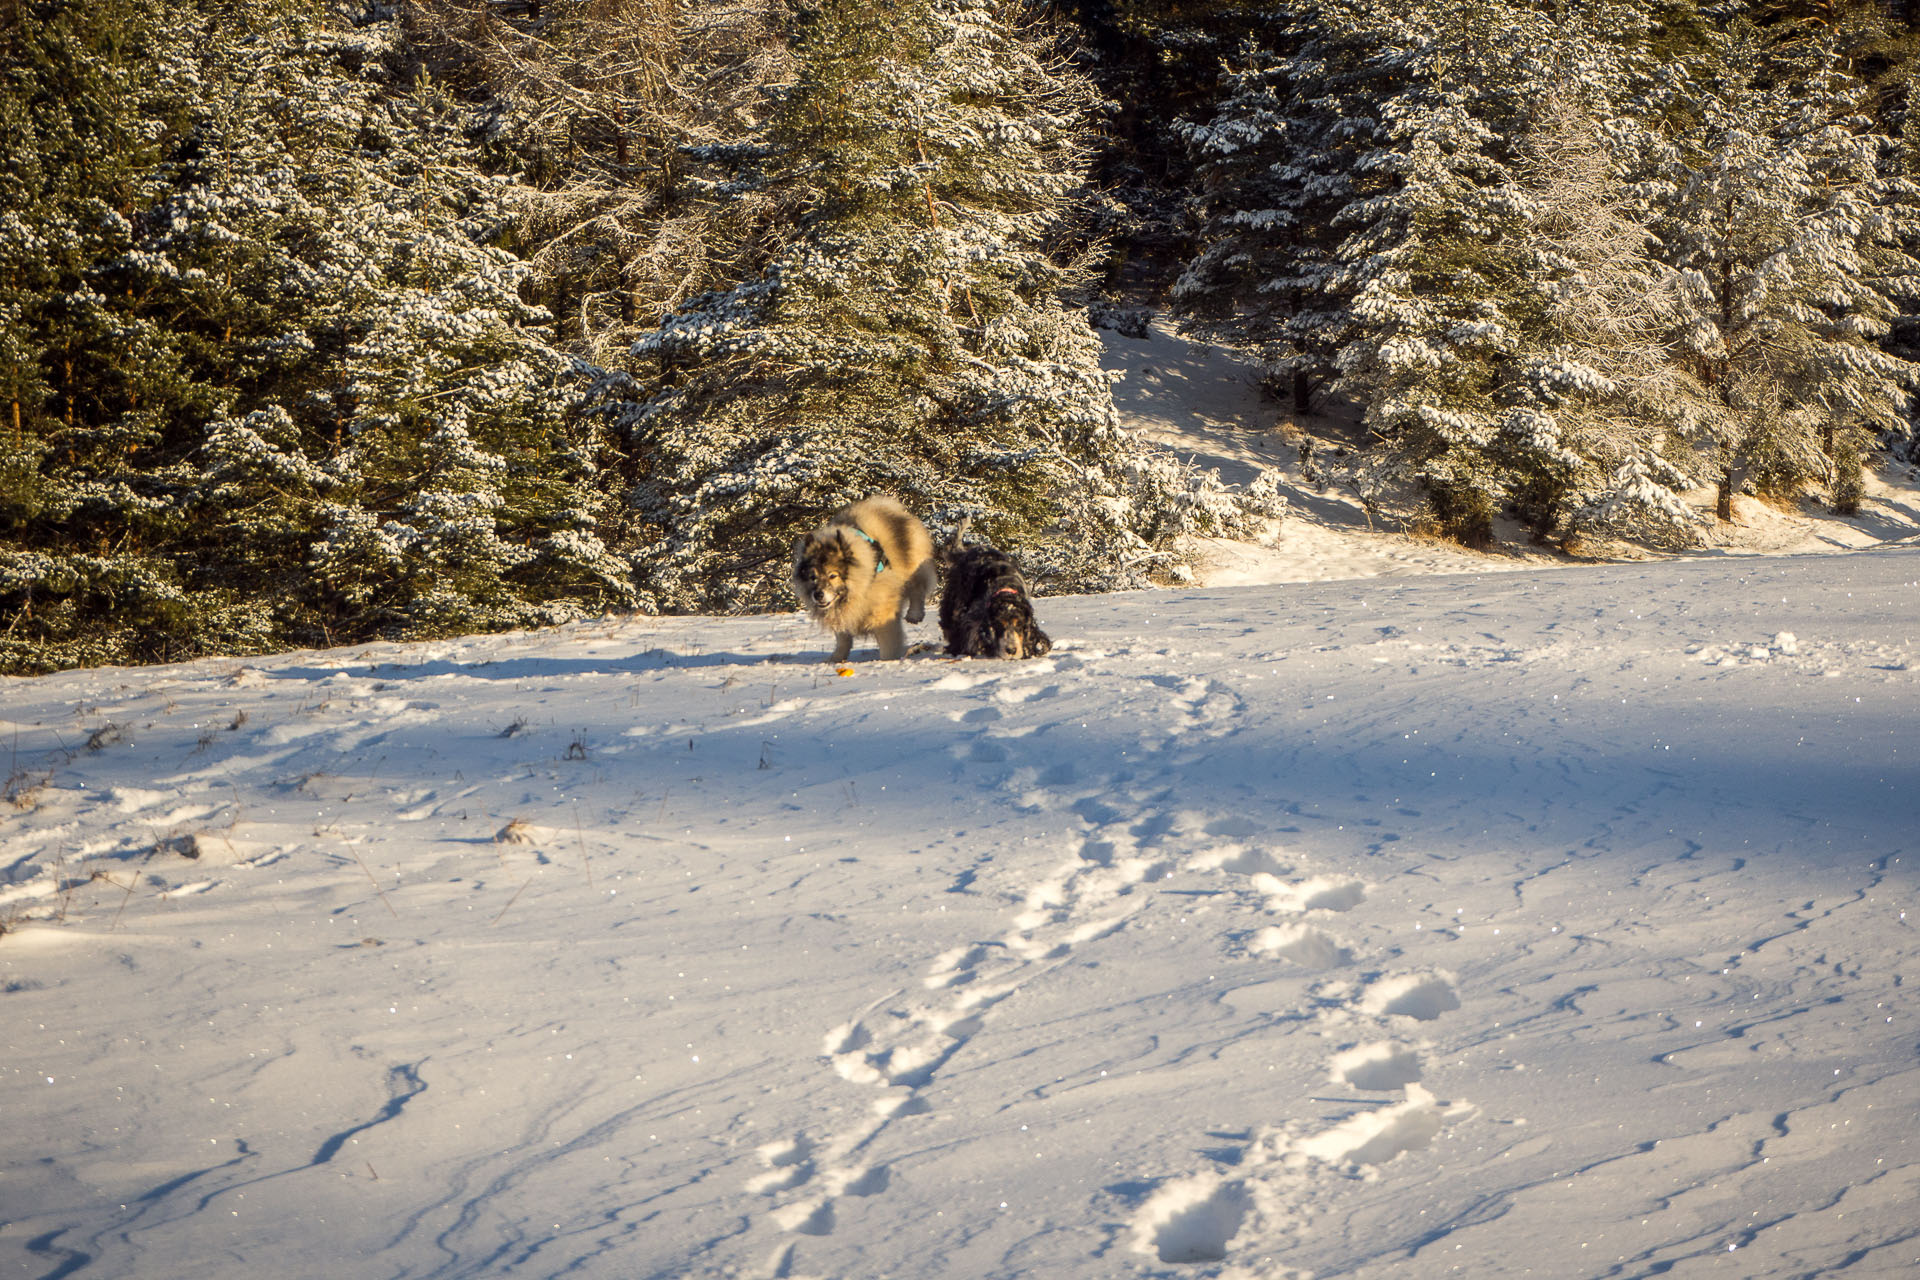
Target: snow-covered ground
1407	923
1204	403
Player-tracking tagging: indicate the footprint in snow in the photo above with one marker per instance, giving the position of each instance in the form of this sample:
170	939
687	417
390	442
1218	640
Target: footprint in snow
1303	945
807	1217
870	1181
788	1164
1192	1219
1322	893
1379	1067
1376	1137
1242	861
1420	996
958	967
1207	705
979	751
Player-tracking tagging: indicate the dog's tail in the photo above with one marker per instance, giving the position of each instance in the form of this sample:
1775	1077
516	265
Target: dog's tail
951	547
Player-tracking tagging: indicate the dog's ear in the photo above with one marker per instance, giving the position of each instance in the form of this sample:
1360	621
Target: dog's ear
959	532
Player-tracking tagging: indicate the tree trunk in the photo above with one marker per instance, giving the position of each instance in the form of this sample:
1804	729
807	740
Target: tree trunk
1732	480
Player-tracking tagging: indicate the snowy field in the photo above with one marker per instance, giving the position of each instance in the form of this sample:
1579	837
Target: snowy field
1373	910
1548	923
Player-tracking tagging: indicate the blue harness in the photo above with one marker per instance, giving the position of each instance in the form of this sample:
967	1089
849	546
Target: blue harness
879	556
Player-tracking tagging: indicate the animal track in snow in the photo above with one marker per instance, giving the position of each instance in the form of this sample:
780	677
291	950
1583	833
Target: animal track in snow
796	1165
1202	1217
788	1164
1025	693
1089	895
979	751
1421	996
1092	895
1192	1219
1303	945
960	966
1241	861
869	1181
1322	893
1058	913
1381	1066
807	1217
908	1064
1375	1137
846	1039
1204	707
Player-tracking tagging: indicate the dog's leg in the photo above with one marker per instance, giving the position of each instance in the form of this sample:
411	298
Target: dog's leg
917	587
892	638
842	646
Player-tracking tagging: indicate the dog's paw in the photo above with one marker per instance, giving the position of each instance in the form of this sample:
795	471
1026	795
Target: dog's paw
916	612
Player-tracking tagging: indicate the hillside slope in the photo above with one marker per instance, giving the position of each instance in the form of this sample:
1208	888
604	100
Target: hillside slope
1551	923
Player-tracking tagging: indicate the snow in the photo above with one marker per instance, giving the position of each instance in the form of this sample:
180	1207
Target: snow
1396	915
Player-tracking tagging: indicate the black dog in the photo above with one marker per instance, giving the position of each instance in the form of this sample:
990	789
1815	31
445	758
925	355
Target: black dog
984	610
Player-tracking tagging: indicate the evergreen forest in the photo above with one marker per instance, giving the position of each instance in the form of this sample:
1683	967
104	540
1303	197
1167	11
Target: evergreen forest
323	322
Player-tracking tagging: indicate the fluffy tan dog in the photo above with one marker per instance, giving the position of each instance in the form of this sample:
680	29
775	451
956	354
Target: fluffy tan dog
853	573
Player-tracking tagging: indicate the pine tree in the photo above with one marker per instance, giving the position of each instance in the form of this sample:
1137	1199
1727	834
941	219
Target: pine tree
1276	163
1433	264
1501	309
1157	62
319	410
1593	439
100	396
909	336
616	118
1586	436
1791	235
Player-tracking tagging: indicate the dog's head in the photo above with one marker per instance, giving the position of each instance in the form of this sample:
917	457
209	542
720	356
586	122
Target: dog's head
1011	631
823	563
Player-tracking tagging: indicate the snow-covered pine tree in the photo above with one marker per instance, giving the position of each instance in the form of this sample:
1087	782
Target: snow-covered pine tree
606	112
477	501
1274	161
1432	259
100	395
1156	62
1590	423
1791	231
1592	438
909	335
327	414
